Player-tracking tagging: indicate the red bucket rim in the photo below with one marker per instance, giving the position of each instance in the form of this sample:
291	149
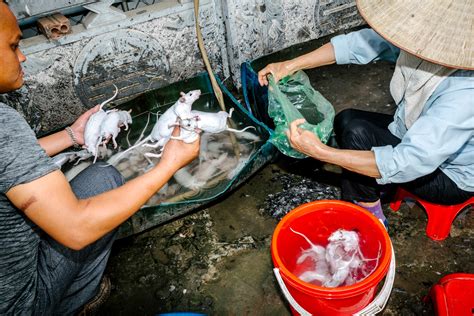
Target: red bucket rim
373	279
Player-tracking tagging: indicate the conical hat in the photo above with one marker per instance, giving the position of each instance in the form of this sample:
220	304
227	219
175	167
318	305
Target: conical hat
440	31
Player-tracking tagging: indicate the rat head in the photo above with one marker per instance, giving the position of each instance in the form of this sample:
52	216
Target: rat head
11	74
189	124
126	117
190	97
348	239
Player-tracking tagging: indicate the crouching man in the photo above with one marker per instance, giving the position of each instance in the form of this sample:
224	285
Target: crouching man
55	236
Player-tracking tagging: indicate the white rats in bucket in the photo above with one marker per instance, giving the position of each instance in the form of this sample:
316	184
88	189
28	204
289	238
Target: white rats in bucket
340	263
318	255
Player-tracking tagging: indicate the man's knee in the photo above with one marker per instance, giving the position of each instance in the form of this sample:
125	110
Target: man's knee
96	179
342	121
356	135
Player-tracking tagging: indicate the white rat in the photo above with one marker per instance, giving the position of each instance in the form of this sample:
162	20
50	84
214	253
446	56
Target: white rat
60	159
125	118
112	123
92	136
208	122
163	127
318	254
342	254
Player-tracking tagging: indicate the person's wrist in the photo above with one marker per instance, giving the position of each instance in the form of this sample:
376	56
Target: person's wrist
72	137
291	66
167	167
325	152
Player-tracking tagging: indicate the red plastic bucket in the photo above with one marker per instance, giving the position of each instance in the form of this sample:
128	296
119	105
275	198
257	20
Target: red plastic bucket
317	220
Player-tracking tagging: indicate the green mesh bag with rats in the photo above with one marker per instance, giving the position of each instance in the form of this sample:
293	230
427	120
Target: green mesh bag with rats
294	98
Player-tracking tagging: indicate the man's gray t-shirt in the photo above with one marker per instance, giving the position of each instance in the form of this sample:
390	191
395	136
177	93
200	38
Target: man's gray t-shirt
22	160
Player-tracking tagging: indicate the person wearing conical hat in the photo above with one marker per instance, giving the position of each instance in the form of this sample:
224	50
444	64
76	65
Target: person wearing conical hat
427	147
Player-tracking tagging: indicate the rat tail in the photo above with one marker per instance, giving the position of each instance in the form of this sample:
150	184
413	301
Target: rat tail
240	130
117	158
108	100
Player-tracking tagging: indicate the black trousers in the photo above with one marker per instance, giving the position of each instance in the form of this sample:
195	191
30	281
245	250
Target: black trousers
362	130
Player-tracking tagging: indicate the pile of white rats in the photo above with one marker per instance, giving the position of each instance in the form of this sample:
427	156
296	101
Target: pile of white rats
340	263
217	161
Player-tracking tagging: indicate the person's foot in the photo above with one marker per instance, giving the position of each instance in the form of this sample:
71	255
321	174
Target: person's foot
92	307
376	209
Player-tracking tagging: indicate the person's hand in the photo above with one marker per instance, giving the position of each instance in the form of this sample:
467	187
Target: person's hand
79	125
304	141
278	70
177	153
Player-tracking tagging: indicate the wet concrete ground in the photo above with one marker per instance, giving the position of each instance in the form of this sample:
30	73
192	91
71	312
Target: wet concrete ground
217	260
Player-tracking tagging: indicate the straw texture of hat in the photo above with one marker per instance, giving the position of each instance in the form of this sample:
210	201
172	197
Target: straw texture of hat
440	31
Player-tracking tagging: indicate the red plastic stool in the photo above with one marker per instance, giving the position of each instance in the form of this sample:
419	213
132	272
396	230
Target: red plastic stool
453	295
440	217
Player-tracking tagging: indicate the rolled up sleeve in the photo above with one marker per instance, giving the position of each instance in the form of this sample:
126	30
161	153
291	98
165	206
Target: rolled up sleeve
441	133
386	164
362	47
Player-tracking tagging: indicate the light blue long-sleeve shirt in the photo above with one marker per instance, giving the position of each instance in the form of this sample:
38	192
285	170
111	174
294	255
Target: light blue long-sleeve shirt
442	137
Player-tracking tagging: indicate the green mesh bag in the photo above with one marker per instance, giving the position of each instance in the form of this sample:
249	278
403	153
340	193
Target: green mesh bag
293	98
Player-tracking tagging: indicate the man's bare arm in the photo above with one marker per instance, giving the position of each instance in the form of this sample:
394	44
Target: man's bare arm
55	143
50	203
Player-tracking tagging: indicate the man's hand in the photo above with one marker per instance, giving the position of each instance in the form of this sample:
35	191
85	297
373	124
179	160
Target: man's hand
278	70
177	153
79	125
57	142
359	161
304	141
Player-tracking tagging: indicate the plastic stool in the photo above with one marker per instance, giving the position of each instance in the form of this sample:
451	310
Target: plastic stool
453	295
440	217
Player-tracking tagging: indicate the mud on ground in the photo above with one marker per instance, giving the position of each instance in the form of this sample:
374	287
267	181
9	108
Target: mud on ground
217	260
